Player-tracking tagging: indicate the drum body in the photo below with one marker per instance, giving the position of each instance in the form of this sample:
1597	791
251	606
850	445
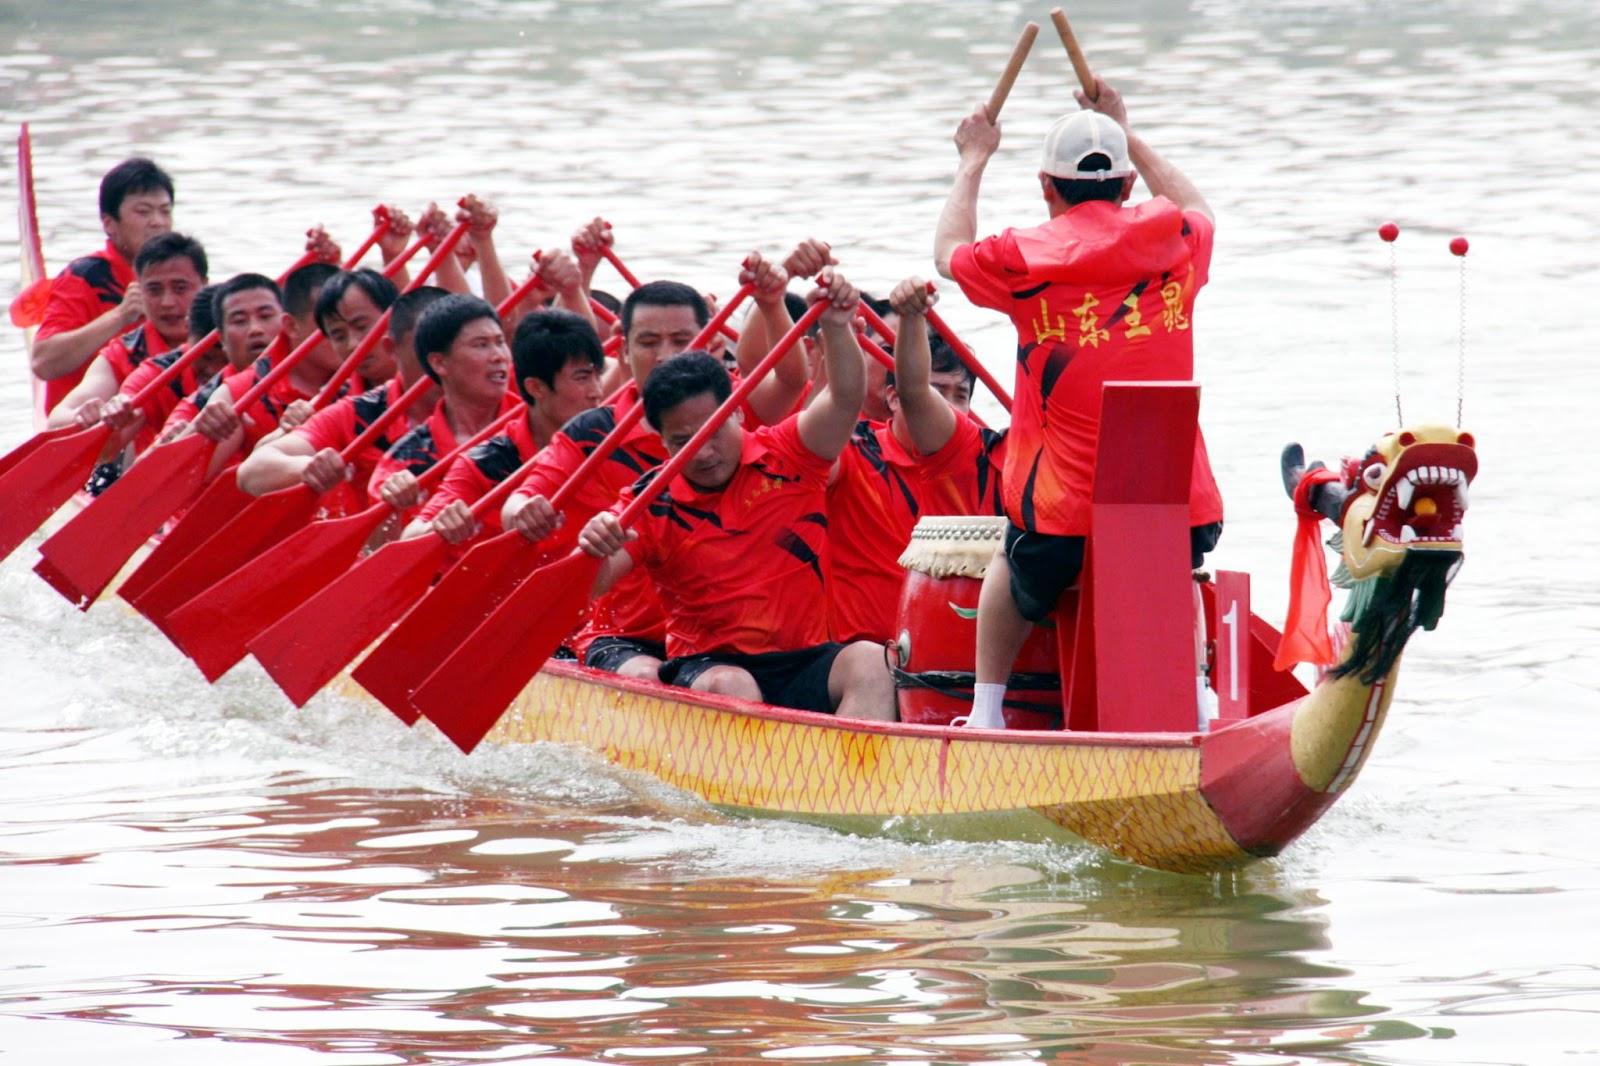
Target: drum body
938	629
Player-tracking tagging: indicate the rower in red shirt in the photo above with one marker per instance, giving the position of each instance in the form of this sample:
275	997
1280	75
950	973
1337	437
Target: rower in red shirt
625	632
255	327
171	269
97	297
928	458
286	403
133	428
461	345
1100	292
735	544
349	304
553	362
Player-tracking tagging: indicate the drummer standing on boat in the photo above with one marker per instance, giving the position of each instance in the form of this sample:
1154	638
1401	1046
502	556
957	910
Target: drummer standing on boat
1100	292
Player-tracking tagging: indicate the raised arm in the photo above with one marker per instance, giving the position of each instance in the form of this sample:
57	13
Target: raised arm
776	397
435	224
394	241
480	217
976	140
1160	176
562	274
929	419
825	425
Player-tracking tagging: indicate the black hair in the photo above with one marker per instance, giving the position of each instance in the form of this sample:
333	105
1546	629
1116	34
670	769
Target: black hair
202	315
606	300
685	375
547	340
443	322
129	178
236	284
1082	190
408	307
379	289
165	246
300	288
664	294
795	304
881	307
942	360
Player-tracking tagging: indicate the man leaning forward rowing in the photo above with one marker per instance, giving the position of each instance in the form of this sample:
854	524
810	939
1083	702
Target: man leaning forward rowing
735	544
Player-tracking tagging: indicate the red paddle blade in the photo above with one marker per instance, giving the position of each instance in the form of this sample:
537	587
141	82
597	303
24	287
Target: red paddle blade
474	686
43	479
214	628
310	645
263	523
442	619
28	307
11	459
86	553
220	501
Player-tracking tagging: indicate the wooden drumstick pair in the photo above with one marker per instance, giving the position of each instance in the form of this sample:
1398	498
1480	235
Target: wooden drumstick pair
1019	55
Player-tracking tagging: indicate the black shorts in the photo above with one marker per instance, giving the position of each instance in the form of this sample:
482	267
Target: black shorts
1043	566
610	653
797	679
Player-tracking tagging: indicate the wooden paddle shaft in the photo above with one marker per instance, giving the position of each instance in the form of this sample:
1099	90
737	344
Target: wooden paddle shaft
1074	53
1019	55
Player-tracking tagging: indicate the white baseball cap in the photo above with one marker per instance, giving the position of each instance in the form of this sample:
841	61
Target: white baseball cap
1079	135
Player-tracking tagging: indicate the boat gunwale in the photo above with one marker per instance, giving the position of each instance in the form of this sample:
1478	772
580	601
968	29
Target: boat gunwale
572	671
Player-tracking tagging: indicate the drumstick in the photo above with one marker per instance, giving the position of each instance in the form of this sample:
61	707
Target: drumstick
1019	54
1074	53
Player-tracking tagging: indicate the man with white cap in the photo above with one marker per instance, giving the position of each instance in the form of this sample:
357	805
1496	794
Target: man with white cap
1100	292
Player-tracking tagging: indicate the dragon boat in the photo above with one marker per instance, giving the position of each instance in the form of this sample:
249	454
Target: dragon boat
1133	773
1111	739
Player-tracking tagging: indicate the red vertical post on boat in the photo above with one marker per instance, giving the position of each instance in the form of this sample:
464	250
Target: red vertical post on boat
1138	600
1230	671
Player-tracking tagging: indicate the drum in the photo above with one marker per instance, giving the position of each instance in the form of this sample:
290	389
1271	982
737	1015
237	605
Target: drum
938	630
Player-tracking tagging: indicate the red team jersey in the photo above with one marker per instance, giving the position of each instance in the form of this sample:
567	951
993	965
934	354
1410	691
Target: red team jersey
1099	293
85	290
630	609
340	423
878	492
483	467
159	405
424	443
740	569
126	352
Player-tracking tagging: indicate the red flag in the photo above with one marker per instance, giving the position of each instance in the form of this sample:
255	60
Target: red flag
1305	631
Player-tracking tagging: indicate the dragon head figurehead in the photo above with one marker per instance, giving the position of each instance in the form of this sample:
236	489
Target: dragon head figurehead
1400	510
1407	495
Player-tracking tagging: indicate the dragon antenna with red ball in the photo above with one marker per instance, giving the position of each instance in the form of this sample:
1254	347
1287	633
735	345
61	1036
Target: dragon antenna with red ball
1389	231
1458	248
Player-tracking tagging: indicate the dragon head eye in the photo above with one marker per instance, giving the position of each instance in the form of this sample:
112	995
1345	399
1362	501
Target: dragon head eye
1373	475
1407	439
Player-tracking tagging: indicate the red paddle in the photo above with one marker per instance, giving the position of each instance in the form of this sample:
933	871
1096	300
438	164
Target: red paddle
222	499
86	553
46	471
466	695
306	648
263	522
214	627
485	576
270	519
